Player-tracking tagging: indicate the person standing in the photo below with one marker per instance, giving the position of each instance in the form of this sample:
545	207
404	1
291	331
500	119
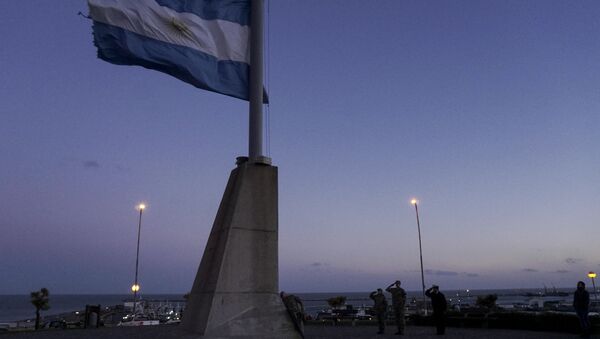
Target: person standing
581	304
398	302
438	302
380	308
295	308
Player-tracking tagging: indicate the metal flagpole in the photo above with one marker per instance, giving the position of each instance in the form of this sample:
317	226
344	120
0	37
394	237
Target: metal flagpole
136	286
414	202
255	144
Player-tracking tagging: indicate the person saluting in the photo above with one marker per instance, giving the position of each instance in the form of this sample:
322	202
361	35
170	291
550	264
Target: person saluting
380	308
438	302
398	302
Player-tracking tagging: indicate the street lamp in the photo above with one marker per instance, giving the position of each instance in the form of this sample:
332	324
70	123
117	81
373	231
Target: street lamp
415	203
592	275
136	287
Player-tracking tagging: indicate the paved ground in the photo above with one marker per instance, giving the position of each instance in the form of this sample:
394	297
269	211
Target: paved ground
316	332
312	332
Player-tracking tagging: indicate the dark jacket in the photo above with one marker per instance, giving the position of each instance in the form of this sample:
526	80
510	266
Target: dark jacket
380	302
293	303
438	301
581	300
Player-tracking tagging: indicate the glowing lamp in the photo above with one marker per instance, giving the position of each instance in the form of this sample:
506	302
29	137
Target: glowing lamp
135	287
591	275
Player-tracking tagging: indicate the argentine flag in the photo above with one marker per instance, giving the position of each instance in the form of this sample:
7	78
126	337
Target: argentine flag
205	43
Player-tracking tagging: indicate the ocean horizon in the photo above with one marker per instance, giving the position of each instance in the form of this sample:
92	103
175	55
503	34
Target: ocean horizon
17	307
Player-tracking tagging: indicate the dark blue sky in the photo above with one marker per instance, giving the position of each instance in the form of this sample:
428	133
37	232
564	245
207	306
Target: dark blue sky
488	112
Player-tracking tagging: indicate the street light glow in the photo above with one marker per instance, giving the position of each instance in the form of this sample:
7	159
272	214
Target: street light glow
135	287
141	206
414	201
591	275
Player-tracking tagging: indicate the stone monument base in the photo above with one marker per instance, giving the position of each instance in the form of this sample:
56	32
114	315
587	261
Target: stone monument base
236	290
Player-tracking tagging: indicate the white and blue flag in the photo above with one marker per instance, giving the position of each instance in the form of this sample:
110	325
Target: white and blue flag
205	43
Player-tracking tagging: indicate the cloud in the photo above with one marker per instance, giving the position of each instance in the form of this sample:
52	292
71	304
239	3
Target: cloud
91	164
447	273
572	261
440	272
531	270
561	271
318	266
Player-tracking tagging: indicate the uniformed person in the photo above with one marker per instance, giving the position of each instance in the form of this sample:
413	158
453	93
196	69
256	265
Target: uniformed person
380	308
438	302
295	308
398	302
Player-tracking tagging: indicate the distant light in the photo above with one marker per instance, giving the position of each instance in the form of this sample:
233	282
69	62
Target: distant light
135	287
141	206
414	201
591	275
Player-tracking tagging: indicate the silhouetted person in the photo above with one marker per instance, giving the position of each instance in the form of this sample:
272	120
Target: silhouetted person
581	303
295	308
438	302
398	302
380	308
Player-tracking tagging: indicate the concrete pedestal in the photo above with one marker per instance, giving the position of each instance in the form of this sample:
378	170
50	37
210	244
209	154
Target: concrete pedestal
236	290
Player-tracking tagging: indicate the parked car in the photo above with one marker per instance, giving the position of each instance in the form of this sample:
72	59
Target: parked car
56	324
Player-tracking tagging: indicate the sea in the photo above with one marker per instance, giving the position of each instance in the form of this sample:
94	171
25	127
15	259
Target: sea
18	307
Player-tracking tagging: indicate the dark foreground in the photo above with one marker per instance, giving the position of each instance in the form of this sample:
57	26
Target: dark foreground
312	332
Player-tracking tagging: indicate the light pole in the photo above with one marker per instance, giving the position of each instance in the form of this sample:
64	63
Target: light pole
592	275
136	287
415	203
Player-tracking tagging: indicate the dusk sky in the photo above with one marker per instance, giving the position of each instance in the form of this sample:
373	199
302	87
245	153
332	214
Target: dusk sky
487	111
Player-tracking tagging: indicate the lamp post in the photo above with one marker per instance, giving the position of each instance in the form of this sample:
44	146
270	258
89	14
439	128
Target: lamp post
592	275
136	287
415	203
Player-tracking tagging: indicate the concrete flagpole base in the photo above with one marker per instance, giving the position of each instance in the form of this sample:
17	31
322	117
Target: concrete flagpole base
236	290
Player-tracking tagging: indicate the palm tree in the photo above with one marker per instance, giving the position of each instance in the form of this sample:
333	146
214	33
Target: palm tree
487	302
336	302
40	300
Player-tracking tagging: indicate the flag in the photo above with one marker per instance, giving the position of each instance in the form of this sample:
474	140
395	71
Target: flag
205	43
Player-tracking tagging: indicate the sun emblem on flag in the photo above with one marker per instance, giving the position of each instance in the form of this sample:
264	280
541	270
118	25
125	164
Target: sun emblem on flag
180	27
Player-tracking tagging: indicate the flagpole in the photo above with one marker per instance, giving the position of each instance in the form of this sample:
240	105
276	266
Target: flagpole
255	142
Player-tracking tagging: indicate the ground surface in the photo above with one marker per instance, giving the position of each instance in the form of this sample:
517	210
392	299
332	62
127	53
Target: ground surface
312	332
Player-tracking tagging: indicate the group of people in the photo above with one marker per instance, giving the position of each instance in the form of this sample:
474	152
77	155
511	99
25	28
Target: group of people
438	302
381	306
581	303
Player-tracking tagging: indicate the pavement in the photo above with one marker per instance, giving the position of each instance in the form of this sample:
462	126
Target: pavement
312	332
317	332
